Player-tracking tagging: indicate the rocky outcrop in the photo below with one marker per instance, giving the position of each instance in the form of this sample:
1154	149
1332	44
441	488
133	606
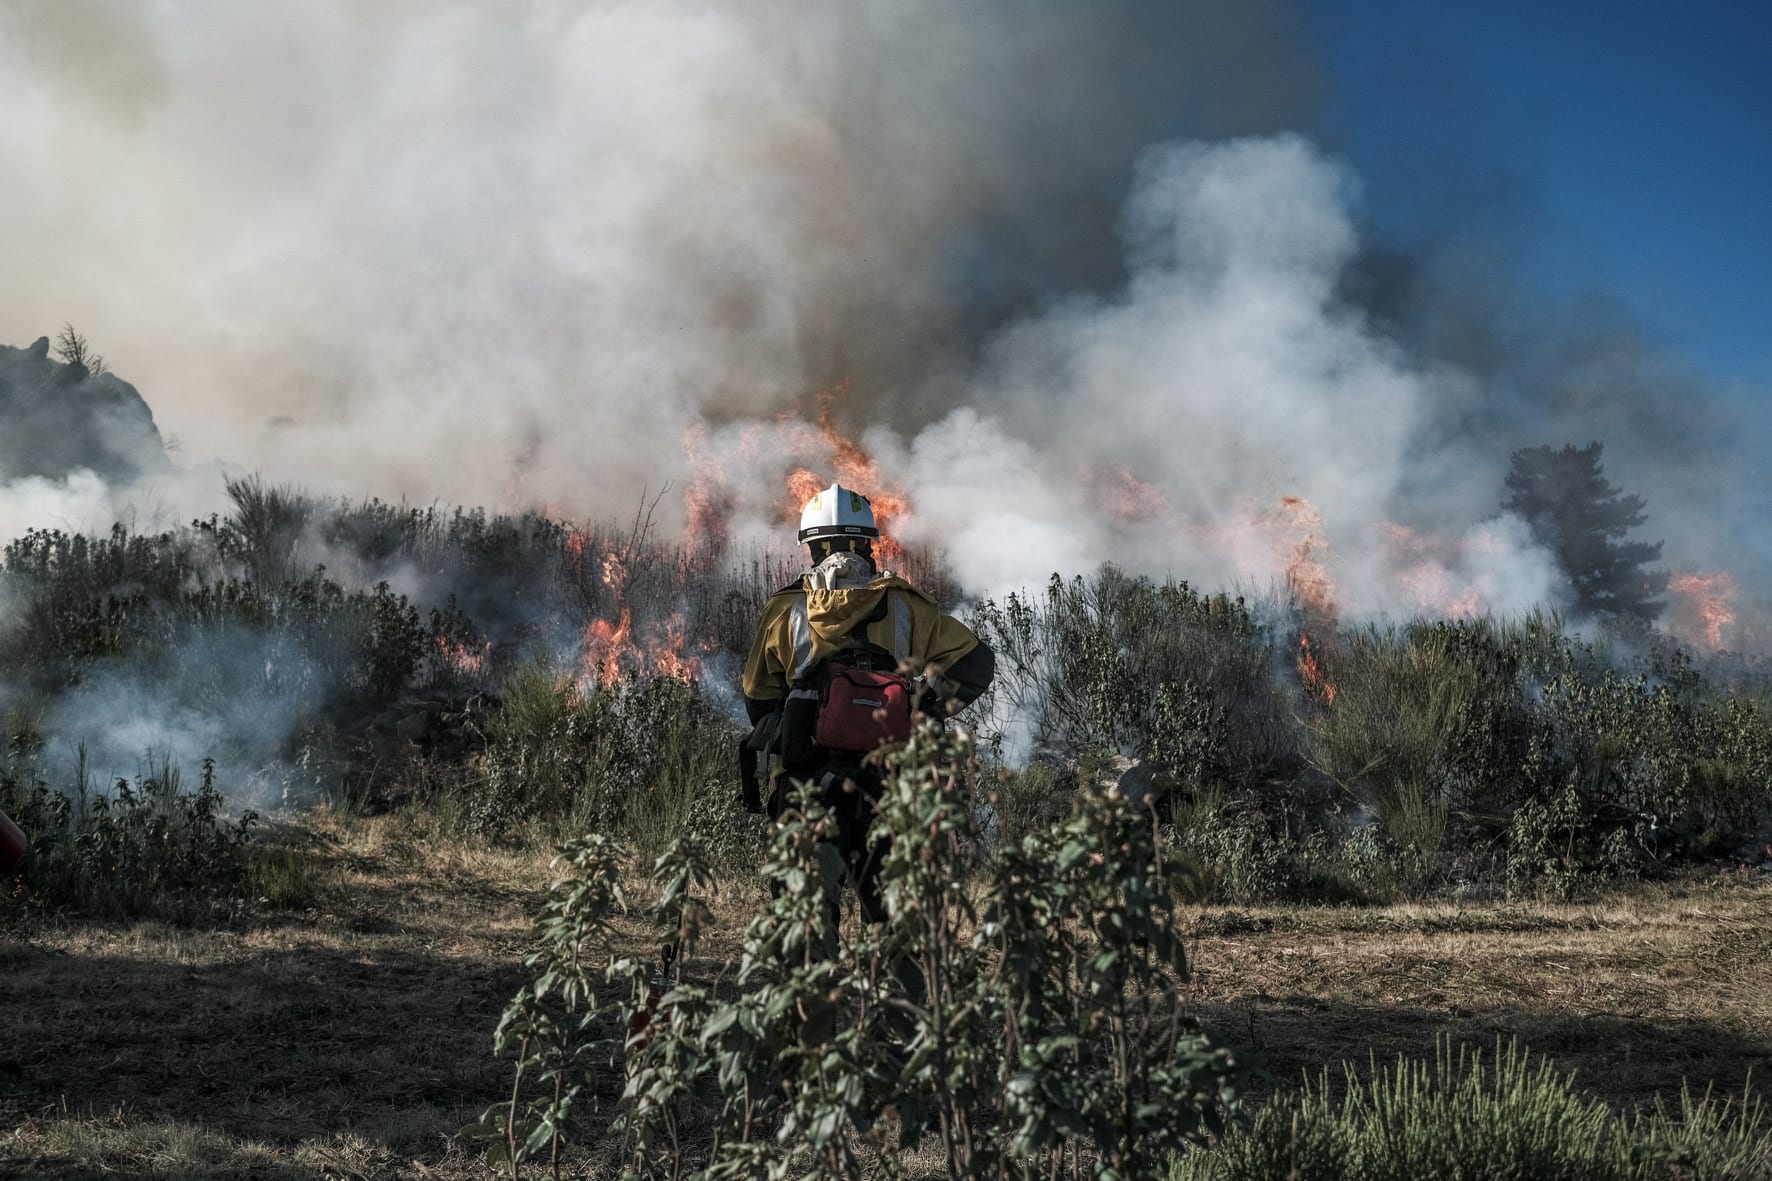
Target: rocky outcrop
57	418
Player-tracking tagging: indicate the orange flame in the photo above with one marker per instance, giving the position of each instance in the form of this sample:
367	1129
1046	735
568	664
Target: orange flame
803	485
1126	497
707	502
668	658
1708	597
1299	525
855	469
615	573
606	647
1422	566
1310	672
610	651
466	660
614	647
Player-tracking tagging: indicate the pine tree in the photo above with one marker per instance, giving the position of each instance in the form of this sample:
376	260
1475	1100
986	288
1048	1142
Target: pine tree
72	348
1581	518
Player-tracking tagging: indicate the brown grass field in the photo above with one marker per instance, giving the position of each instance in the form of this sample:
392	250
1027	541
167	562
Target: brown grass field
351	1037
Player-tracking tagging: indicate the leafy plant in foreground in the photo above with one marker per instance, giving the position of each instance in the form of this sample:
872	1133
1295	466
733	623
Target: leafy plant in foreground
1031	1023
558	1026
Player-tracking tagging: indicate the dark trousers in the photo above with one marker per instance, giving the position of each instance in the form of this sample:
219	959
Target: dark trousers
850	793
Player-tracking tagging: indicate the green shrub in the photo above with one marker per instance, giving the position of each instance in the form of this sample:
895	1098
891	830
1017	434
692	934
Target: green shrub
1464	1116
1154	669
149	848
1027	800
641	759
1038	1028
1239	857
1431	729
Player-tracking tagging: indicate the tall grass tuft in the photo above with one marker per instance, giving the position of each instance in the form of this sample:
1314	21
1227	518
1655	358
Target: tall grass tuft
1467	1116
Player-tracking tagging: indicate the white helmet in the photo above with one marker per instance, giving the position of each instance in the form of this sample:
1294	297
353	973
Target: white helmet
837	512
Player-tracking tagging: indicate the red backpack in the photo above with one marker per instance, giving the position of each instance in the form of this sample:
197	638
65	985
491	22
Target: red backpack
861	709
854	701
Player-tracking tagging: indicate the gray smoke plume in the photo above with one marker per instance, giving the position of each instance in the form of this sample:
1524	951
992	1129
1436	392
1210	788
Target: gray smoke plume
497	253
1242	410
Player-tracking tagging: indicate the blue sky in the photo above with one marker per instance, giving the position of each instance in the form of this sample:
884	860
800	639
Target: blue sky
1626	147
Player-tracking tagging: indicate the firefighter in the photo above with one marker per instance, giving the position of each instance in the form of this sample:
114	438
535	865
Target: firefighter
843	609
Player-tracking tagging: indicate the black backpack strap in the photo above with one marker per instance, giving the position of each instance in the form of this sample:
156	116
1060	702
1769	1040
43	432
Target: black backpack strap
860	652
859	633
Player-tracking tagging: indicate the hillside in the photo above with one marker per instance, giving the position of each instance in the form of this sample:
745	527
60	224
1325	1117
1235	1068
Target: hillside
58	418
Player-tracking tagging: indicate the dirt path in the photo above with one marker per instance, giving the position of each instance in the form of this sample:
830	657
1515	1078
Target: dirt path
1636	993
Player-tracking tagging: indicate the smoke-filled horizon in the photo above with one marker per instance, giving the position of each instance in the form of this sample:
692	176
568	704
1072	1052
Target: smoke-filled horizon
1094	288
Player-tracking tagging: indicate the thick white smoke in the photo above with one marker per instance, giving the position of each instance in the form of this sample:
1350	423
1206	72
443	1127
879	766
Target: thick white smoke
495	253
1228	375
81	503
554	253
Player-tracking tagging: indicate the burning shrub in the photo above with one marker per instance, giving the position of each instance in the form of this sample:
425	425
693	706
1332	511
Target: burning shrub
334	648
1430	751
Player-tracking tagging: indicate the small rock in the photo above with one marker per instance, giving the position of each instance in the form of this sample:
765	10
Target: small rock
1138	781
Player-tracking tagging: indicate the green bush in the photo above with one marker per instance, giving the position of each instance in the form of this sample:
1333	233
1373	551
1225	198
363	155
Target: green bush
1239	858
1155	669
147	849
641	759
1433	732
1467	1117
1037	1028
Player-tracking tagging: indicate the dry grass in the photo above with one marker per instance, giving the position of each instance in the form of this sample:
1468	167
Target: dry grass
1636	992
351	1037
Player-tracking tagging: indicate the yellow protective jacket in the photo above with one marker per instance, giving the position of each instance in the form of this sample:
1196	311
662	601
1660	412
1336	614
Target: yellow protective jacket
802	625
